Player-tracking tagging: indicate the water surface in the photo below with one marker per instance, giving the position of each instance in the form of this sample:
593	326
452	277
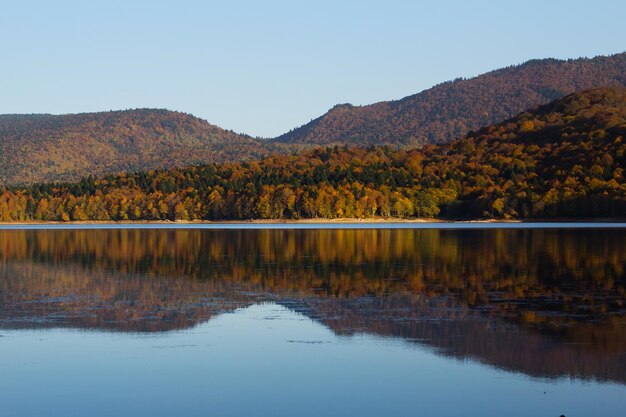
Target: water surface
367	321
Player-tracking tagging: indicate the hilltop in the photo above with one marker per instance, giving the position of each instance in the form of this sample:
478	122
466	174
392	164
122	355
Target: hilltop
454	108
42	147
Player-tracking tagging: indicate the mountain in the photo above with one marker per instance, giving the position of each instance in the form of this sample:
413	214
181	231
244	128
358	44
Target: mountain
452	109
44	147
563	159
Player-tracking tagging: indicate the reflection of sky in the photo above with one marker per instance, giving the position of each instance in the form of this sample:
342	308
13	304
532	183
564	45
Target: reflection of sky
267	360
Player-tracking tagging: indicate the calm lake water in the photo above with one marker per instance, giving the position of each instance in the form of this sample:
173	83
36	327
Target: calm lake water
369	320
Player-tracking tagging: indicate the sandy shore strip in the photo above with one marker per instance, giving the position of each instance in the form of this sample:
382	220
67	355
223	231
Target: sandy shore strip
376	220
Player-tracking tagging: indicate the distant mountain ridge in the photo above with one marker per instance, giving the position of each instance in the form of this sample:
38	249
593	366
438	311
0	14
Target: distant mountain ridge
454	108
43	147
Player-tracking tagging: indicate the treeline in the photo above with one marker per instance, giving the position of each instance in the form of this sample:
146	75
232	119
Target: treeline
565	159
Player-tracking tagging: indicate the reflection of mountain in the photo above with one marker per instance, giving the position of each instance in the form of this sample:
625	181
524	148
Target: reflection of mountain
505	297
465	333
36	295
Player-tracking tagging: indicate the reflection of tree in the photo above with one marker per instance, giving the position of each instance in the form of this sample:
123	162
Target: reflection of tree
557	289
569	267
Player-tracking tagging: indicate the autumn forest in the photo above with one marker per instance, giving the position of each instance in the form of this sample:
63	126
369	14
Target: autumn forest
563	159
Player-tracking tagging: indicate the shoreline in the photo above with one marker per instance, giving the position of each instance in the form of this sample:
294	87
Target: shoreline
346	221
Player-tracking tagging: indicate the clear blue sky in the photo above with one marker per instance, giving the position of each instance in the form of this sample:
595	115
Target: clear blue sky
264	67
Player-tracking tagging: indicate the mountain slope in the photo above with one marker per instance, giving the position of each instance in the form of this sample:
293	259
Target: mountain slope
454	108
67	147
563	159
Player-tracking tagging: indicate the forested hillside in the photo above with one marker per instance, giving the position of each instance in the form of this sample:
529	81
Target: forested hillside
564	159
40	148
452	109
49	147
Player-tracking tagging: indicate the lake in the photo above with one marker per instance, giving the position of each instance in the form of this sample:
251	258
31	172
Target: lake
313	320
